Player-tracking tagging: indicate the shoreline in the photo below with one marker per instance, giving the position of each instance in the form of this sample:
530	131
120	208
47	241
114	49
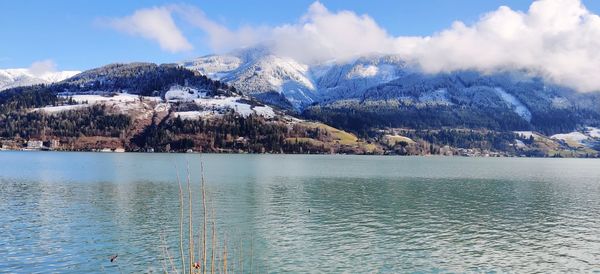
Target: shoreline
251	153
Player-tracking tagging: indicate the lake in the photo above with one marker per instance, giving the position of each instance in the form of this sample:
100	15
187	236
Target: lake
70	212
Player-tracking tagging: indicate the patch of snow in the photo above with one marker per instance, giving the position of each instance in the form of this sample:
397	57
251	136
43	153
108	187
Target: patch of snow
514	104
193	115
183	94
160	107
593	132
218	105
576	137
56	109
265	111
121	102
436	97
241	109
124	103
520	144
120	97
362	71
560	103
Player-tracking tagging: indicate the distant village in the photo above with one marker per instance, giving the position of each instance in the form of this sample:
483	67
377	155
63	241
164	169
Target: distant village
39	145
55	145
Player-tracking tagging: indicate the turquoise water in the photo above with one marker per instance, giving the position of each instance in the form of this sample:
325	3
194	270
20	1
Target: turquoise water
70	212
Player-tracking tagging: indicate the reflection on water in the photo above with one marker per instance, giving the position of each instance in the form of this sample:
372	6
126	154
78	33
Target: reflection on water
69	212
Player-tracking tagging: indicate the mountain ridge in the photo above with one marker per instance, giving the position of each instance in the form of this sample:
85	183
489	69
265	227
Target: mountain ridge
376	104
10	78
387	80
150	107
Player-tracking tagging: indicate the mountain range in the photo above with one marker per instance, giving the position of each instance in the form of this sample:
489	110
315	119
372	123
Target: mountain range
369	100
385	85
10	78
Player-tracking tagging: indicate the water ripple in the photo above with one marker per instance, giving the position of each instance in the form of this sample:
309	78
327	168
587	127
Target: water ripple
406	217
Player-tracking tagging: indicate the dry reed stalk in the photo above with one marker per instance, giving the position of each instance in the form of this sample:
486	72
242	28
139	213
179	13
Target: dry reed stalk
251	254
214	242
240	262
204	213
195	267
191	227
167	254
180	221
164	250
199	242
224	254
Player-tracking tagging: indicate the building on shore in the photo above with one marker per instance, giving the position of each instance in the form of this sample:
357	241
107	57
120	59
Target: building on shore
54	144
10	145
35	145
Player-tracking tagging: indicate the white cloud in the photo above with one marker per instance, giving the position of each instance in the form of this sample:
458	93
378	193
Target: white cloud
220	37
556	39
322	35
155	24
42	67
319	35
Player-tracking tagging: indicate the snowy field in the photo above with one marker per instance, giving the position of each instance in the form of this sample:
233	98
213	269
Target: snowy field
124	103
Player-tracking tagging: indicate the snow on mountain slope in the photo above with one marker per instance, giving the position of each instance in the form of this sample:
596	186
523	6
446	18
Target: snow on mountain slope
256	73
134	104
56	109
509	99
214	66
57	76
123	103
573	139
211	107
435	97
119	97
514	104
274	74
185	94
269	74
261	73
593	132
352	79
10	78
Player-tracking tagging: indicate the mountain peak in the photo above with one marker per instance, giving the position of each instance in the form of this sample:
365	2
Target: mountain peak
11	78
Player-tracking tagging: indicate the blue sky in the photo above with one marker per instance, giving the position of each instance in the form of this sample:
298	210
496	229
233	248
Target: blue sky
69	33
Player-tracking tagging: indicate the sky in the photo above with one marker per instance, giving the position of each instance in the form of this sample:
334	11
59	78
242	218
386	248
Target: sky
68	31
79	35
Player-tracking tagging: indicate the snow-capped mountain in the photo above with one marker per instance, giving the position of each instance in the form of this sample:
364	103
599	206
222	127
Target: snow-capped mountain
368	95
275	74
381	84
140	89
264	75
352	79
270	78
215	66
10	78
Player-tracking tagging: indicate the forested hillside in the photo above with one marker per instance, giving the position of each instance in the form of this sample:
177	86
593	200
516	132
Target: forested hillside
168	108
